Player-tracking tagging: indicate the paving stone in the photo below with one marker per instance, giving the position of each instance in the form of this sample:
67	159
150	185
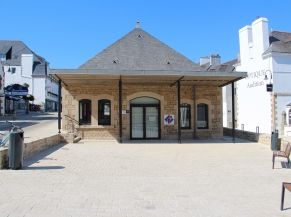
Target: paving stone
105	179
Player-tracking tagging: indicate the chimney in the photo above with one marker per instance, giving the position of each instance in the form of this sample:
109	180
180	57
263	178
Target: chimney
245	43
260	33
204	60
214	59
26	64
137	25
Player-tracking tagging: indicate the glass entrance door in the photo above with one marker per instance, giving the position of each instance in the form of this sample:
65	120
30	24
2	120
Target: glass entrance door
137	122
145	118
151	122
145	122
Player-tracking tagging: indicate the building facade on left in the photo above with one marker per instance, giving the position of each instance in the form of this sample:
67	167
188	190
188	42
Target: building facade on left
21	66
2	96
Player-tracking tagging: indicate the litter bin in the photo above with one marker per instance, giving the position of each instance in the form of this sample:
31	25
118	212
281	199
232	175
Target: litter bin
275	141
15	149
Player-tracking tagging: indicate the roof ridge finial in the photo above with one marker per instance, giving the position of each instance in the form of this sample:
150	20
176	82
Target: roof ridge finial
137	25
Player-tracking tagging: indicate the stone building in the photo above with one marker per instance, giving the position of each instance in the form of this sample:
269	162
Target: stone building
140	88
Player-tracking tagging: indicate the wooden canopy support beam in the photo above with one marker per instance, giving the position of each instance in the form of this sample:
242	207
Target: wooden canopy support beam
120	110
59	105
233	111
179	110
177	81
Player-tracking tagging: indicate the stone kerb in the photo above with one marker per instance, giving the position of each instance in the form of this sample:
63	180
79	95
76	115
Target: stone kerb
251	136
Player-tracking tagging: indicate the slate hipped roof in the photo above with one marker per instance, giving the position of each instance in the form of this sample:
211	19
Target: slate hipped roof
15	50
228	66
279	42
138	50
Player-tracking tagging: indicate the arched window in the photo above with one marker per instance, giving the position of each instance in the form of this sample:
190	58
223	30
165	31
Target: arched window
202	116
104	112
185	116
85	111
144	100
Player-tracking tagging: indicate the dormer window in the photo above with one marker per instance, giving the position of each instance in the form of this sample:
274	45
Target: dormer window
115	61
12	70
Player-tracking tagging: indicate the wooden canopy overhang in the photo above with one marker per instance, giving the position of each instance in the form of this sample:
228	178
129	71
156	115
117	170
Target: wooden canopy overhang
72	77
195	78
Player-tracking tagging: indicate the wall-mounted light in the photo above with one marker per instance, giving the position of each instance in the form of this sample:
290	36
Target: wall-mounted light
266	76
269	86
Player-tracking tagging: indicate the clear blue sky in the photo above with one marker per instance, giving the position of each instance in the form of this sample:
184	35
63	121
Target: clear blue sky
68	32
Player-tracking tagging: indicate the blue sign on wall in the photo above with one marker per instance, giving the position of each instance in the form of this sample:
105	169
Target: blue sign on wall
169	119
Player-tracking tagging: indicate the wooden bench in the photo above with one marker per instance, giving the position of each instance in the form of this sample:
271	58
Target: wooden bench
284	154
285	185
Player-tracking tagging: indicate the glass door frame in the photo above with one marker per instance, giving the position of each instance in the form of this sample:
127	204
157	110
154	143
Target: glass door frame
144	106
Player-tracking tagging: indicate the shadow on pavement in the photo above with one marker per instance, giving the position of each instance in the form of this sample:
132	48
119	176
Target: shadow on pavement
42	156
44	168
225	139
7	126
30	116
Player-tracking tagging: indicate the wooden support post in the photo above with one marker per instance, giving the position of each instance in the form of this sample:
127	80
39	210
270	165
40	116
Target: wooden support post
233	111
120	111
60	105
179	111
194	111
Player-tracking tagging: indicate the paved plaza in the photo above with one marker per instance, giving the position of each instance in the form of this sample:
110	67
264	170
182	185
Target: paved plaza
36	125
95	178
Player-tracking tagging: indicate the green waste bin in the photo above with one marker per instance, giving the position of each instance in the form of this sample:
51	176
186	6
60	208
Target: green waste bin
275	141
15	149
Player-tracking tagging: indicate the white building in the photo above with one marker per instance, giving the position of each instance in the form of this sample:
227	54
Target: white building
266	56
23	66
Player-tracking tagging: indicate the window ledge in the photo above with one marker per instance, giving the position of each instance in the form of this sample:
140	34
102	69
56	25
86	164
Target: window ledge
186	129
95	127
203	129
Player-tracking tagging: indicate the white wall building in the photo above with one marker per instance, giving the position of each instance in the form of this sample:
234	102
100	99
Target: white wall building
22	65
266	56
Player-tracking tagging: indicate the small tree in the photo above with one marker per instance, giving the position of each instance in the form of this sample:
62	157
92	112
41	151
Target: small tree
25	85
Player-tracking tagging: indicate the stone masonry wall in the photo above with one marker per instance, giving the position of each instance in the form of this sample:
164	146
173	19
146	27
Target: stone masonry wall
167	95
32	148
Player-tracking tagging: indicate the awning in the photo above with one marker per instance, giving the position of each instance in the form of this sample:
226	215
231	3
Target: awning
100	76
14	98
